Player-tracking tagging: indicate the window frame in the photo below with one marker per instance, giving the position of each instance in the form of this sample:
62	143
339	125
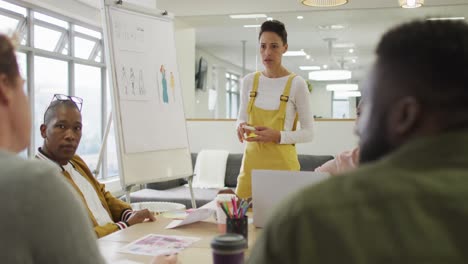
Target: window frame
232	78
25	29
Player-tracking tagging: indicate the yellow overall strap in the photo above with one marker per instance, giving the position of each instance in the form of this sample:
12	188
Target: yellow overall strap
284	98
253	93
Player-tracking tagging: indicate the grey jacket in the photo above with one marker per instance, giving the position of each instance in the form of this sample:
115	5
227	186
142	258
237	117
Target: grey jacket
42	220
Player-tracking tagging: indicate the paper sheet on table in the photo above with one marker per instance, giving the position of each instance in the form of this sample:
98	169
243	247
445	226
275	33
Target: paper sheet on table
155	245
192	217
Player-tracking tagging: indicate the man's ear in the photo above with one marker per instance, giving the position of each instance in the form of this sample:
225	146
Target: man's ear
285	48
404	117
43	131
5	90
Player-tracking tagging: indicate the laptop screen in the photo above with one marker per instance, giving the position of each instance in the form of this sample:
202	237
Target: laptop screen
270	187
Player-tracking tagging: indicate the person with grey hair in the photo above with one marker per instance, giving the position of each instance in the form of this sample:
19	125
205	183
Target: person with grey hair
42	220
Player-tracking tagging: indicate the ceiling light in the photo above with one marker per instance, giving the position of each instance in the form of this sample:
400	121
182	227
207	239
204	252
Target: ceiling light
346	94
411	3
337	26
331	27
309	68
342	87
300	17
325	66
351	50
247	16
252	26
343	45
291	53
324	3
446	18
353	60
308	57
269	18
330	75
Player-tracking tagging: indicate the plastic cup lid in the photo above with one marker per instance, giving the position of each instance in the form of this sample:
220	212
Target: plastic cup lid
229	242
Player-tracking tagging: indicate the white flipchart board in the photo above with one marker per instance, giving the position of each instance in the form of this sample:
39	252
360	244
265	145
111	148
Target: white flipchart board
146	94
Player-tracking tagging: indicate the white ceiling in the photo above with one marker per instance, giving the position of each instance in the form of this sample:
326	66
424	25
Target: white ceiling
364	21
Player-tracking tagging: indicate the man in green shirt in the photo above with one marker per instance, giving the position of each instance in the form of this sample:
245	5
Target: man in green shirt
408	202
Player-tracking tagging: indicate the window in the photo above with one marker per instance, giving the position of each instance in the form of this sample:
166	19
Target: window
232	95
21	59
46	38
13	19
88	87
112	166
53	67
340	109
50	77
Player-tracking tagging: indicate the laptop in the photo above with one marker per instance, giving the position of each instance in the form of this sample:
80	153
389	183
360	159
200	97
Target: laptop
270	187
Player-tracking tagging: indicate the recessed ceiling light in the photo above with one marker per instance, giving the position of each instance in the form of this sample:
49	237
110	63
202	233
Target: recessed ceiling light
351	50
331	27
347	94
269	18
291	53
324	3
343	45
309	68
325	66
337	26
252	26
308	56
330	75
446	18
411	3
300	17
342	87
247	16
353	60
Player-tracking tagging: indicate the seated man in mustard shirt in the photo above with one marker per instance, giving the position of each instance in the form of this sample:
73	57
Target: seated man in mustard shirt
62	133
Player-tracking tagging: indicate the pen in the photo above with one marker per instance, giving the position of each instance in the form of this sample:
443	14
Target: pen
234	207
226	207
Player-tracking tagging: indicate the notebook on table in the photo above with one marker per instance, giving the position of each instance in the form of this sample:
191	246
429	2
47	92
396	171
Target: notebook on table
270	187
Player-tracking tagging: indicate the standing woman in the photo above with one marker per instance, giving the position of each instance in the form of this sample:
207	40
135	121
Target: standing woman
272	101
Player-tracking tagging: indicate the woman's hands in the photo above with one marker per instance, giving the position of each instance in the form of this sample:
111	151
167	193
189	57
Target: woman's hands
241	131
265	135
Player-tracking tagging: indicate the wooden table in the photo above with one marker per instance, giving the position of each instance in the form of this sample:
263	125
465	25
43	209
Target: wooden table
198	252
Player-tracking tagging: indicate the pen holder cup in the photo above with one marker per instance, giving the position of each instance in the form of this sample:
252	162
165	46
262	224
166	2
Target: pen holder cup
238	226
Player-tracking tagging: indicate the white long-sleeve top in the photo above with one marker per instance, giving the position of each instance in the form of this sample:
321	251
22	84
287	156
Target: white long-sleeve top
268	98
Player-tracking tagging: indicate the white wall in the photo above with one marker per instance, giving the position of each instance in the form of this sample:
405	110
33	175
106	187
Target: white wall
330	137
185	49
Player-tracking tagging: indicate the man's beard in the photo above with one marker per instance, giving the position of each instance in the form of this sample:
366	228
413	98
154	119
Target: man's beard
376	146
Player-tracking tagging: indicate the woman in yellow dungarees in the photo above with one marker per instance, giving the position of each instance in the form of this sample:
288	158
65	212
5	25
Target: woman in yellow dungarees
272	101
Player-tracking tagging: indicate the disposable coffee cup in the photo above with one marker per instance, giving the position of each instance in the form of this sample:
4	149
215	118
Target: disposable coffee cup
220	214
228	249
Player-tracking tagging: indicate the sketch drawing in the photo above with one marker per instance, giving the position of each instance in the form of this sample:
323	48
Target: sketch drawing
141	84
124	80
164	84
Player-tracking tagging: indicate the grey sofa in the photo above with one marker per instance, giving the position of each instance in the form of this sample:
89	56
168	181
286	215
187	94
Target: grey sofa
176	190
